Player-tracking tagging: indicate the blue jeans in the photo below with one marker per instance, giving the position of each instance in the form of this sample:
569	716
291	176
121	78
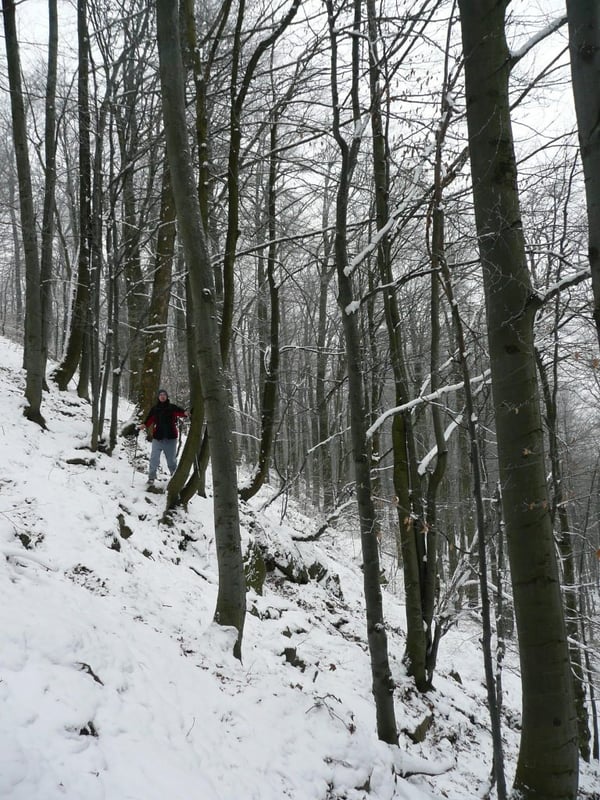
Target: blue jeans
169	448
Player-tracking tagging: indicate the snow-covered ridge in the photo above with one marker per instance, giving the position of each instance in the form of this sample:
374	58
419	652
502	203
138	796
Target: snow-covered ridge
116	685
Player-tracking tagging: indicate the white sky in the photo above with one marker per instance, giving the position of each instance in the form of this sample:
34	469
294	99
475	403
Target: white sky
124	640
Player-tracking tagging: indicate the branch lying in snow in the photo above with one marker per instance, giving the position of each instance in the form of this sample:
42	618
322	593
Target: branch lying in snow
406	765
198	573
86	668
20	555
333	517
427	398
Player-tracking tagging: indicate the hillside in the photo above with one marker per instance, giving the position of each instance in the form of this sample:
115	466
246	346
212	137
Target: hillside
116	685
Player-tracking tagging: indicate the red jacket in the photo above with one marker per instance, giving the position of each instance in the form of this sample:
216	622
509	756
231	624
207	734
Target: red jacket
162	420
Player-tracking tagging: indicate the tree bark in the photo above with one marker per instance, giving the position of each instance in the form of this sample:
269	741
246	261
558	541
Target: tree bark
413	540
15	231
270	373
80	313
50	175
238	97
584	45
565	534
383	685
128	130
34	360
472	425
156	330
548	760
231	599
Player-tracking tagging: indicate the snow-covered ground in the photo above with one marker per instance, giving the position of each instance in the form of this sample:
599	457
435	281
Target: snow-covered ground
116	685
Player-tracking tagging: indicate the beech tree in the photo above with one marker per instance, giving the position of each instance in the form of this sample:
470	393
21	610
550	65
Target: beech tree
77	350
584	44
231	599
34	351
369	528
548	758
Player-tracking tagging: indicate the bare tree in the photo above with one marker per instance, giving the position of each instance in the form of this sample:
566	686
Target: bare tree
34	360
548	758
383	687
231	599
584	44
270	362
50	174
76	354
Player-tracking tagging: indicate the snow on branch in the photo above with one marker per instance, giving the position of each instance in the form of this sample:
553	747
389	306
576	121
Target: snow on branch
388	227
517	55
541	297
427	398
327	441
422	468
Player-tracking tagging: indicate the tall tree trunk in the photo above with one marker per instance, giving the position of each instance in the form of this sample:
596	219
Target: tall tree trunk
34	360
80	312
584	45
383	685
548	759
128	132
156	330
324	367
50	175
565	543
238	97
195	453
16	241
472	425
270	374
419	566
231	599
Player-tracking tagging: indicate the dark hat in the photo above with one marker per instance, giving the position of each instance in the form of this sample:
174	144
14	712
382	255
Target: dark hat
163	391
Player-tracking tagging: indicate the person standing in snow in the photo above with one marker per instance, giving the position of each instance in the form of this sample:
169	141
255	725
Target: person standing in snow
162	422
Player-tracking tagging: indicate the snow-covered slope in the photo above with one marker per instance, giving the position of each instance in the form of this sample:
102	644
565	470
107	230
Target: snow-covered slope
116	685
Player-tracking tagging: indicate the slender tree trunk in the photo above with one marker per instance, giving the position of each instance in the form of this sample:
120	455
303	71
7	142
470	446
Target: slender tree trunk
50	175
383	685
565	544
101	366
34	360
156	335
467	520
472	424
191	459
270	383
74	354
548	759
127	127
238	97
324	368
412	541
429	577
14	225
231	600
